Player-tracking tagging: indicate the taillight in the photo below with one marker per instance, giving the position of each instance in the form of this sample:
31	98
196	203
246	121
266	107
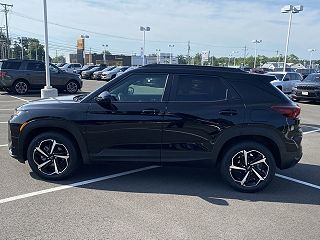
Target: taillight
288	111
2	74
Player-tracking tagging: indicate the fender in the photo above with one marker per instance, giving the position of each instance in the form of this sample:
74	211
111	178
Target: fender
59	123
260	130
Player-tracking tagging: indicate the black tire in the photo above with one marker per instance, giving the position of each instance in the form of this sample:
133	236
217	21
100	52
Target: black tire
234	158
64	147
20	87
72	87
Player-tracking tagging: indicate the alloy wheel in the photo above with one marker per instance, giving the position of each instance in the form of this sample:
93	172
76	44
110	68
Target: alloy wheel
51	157
72	87
249	168
21	87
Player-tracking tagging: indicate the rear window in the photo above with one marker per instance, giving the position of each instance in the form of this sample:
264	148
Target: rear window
10	65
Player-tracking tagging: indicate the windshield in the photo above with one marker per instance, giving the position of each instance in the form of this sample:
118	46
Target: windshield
312	78
95	69
279	76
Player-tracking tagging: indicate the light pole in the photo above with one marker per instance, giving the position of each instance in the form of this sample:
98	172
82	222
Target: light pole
171	46
47	91
144	30
234	57
84	52
105	52
289	9
255	51
311	51
158	56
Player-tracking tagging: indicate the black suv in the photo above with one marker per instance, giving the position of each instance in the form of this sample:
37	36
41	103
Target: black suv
236	121
20	76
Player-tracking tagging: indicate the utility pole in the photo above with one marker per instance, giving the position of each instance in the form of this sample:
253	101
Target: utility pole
244	56
7	28
189	52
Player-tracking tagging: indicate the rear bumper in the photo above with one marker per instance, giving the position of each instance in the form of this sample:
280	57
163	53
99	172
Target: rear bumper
290	159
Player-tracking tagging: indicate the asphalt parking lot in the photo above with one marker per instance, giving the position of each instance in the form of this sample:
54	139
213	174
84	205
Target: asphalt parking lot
151	202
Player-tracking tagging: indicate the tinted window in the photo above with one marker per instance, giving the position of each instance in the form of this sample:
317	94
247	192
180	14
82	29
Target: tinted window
294	76
10	65
35	66
199	88
141	88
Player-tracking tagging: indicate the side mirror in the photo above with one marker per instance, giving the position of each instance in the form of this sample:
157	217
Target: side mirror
105	100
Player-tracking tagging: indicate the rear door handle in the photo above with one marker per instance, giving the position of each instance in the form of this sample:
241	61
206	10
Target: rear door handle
228	112
151	111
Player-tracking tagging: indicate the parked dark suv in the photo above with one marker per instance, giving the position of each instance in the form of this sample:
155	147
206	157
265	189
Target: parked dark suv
236	121
20	76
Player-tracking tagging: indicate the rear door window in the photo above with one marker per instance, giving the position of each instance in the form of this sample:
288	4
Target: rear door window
195	88
36	66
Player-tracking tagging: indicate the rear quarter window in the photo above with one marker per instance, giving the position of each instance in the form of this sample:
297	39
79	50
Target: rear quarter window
258	91
10	65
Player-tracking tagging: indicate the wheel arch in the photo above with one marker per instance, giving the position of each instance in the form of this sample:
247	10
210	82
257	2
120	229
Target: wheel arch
36	127
269	139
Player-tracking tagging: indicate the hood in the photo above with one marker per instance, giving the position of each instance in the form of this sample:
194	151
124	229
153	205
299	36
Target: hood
46	102
309	84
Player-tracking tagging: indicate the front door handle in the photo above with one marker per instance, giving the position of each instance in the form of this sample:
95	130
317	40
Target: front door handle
150	111
228	112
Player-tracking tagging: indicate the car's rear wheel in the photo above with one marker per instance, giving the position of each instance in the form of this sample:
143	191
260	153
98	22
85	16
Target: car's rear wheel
248	166
52	156
72	87
20	87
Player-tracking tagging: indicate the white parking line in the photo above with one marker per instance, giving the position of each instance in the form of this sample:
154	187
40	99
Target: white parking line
21	99
3	122
312	131
7	109
49	190
298	181
4	145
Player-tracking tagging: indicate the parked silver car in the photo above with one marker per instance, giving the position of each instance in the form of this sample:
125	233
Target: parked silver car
286	81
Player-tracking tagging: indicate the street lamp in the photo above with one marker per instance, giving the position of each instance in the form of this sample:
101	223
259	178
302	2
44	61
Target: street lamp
84	52
144	30
47	91
171	46
289	9
158	56
234	57
255	51
311	51
105	52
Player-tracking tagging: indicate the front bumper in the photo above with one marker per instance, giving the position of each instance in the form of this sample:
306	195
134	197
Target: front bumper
306	94
105	77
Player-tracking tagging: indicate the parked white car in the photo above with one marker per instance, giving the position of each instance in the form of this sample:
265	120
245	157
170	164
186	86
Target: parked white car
71	67
286	81
126	70
108	75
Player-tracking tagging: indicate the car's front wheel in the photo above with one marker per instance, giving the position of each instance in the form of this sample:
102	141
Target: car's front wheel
72	87
52	156
248	166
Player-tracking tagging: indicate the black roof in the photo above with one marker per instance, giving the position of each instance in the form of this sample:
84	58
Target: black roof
192	67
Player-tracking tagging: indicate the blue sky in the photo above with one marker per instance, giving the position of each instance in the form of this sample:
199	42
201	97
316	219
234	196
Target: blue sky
218	26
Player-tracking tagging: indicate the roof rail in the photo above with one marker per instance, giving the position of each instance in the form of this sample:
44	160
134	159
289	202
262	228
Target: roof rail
211	68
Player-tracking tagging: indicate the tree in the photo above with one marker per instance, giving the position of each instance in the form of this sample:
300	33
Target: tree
182	59
106	52
32	49
59	59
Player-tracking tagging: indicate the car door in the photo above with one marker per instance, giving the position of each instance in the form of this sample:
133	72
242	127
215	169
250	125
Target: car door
58	77
200	107
35	73
286	86
132	129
